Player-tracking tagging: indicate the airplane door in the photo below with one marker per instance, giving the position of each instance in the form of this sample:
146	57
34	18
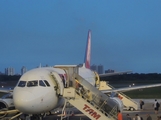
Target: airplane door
59	82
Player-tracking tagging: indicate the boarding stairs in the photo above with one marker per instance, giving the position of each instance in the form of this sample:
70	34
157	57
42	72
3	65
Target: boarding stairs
100	107
129	104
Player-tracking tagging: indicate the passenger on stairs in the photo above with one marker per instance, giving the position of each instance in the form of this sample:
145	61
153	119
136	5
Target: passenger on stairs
80	89
89	96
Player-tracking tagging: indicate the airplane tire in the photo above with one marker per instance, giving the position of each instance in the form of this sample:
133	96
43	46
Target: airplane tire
132	109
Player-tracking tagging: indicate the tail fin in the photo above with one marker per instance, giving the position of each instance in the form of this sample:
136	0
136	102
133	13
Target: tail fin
87	58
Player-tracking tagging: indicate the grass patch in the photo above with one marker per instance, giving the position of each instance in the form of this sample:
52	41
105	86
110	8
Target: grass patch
147	93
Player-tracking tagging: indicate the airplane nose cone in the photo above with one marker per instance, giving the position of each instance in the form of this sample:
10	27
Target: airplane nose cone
23	101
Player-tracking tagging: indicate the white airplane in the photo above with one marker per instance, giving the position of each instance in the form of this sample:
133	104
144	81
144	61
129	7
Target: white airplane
36	91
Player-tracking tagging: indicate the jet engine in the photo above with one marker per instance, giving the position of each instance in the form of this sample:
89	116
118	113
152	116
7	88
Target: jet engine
6	103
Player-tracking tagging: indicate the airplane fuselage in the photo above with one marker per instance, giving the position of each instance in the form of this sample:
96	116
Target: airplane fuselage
42	95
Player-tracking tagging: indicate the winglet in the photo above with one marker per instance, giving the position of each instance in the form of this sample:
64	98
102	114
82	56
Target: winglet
87	58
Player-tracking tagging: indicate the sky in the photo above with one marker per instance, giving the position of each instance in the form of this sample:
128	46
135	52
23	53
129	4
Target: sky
126	34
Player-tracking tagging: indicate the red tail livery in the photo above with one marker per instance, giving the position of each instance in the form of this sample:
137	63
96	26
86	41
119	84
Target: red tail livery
87	58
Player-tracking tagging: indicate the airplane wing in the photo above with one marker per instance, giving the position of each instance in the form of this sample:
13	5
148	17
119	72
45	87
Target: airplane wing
3	90
114	73
130	88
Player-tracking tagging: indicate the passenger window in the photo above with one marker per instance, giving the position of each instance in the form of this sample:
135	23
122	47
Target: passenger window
41	83
32	83
46	82
22	84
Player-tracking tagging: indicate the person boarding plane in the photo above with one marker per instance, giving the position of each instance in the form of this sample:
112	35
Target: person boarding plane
41	90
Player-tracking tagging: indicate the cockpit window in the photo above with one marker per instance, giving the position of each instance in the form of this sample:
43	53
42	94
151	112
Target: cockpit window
22	84
32	83
41	83
46	82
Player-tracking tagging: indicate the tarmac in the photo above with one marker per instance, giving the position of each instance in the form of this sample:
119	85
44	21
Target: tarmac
147	109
